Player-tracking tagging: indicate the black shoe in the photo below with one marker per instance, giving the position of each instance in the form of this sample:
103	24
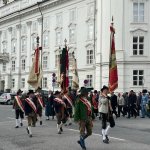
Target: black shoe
61	129
47	119
30	135
27	130
81	143
106	141
70	124
107	138
40	122
21	124
59	132
16	126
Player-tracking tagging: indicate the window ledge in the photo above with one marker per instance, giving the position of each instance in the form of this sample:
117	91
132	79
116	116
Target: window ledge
136	23
138	56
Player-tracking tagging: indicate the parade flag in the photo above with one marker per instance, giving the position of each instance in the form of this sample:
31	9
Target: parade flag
64	69
58	69
113	72
75	79
35	74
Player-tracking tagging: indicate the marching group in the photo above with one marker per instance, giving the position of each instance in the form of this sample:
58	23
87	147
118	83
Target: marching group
83	106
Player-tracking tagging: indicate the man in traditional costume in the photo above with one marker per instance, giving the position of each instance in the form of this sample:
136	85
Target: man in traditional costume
30	111
106	113
83	115
60	110
19	108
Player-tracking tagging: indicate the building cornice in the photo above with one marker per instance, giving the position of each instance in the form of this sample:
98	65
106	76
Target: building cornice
31	10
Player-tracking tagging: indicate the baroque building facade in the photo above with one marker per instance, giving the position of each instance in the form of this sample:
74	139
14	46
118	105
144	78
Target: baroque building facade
85	25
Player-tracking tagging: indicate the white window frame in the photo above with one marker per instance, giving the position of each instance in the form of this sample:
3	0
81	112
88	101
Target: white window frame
45	62
89	56
73	15
34	26
139	51
4	47
90	80
136	15
138	77
46	39
13	65
13	45
59	20
45	82
58	38
24	29
23	83
4	67
46	23
13	83
90	30
23	44
23	64
72	34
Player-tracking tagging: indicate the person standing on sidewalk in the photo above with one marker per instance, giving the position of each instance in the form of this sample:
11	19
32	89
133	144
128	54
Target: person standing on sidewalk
83	115
106	113
19	108
120	100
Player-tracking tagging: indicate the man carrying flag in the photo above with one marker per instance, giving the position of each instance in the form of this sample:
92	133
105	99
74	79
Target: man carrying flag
19	108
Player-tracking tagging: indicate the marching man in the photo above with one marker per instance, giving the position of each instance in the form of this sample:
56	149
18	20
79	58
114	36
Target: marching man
40	104
30	111
106	113
83	115
60	110
19	108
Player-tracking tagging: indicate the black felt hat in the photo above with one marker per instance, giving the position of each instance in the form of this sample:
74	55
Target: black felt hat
19	91
104	88
57	92
83	91
30	92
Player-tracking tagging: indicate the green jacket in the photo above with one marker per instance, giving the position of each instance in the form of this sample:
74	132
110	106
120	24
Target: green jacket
81	112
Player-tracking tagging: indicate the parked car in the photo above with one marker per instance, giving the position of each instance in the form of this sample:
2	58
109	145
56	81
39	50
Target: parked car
5	98
1	93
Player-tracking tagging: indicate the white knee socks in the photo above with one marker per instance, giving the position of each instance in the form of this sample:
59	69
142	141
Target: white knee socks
29	128
17	122
107	130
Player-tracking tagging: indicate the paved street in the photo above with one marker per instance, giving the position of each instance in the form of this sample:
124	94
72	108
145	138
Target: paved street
129	134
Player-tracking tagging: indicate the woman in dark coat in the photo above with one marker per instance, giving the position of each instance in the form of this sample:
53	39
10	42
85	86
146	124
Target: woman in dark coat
49	109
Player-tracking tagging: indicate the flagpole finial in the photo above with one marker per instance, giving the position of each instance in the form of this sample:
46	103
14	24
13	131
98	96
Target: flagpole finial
37	40
112	20
65	42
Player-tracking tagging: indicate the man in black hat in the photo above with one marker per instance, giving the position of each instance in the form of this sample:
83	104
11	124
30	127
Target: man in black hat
83	115
106	113
19	108
60	110
30	111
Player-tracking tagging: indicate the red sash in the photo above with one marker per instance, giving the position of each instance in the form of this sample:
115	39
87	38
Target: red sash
19	102
60	101
29	101
88	105
40	101
95	104
68	99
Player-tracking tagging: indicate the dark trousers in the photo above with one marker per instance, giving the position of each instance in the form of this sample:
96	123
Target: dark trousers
107	118
19	113
120	110
132	111
114	111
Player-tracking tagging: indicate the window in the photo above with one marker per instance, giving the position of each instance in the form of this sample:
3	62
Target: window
138	12
24	29
72	35
13	65
23	83
45	82
90	10
138	45
57	60
70	81
13	46
90	32
73	15
34	26
14	32
4	47
90	80
23	44
13	83
34	42
46	39
23	64
4	67
4	35
70	59
46	23
45	59
90	56
58	38
59	20
138	77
